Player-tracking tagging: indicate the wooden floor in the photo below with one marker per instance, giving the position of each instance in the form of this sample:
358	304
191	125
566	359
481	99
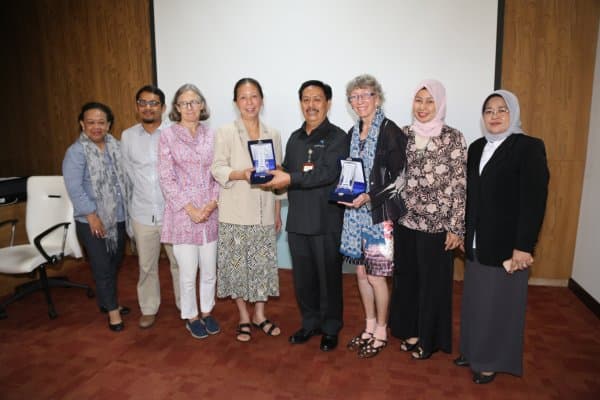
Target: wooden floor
76	357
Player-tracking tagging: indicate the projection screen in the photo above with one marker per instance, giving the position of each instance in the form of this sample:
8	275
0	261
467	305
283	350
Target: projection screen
284	43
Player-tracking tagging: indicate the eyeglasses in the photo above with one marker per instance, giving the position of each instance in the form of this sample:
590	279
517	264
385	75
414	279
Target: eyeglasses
362	97
151	103
501	112
192	104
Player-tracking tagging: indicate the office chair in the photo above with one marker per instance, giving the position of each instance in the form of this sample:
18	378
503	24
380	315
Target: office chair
51	233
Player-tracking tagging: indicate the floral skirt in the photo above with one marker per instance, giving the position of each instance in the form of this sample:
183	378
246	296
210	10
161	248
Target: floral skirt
247	262
377	256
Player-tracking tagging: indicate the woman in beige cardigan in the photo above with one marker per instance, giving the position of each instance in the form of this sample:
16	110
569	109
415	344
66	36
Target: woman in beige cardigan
249	217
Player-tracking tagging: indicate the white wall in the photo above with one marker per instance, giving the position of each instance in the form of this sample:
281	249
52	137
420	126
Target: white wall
586	267
284	43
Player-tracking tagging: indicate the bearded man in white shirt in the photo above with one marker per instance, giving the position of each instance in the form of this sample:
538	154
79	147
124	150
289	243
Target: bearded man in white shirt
139	145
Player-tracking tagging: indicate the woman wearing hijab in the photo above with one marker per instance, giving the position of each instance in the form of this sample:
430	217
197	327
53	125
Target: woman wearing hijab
190	219
95	181
367	238
507	185
421	305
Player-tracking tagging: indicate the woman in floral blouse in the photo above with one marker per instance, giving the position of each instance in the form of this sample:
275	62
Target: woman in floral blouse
190	192
435	191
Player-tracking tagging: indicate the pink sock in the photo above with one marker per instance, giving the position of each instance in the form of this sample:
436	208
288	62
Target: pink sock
370	327
381	332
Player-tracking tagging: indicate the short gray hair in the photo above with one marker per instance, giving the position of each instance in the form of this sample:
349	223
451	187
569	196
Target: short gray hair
175	115
365	81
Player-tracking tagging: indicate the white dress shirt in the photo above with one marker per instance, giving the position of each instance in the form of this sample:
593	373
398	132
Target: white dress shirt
140	158
488	151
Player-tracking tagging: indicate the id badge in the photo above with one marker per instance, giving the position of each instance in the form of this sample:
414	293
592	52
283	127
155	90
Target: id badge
308	166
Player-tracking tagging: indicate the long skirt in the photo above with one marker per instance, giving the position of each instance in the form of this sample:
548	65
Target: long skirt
421	301
493	318
247	262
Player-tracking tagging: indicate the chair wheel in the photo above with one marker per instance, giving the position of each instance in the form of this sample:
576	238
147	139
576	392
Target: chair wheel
52	314
3	314
90	293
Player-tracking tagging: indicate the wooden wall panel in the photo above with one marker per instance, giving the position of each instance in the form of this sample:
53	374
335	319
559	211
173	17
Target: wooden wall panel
548	61
57	55
60	54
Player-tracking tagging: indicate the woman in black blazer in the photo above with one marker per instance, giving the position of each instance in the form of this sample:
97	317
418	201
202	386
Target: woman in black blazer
507	186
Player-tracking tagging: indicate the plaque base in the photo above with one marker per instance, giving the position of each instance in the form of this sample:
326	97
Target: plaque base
347	195
258	178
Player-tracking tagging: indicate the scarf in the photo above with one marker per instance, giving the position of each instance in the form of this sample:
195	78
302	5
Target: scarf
514	113
433	127
358	226
102	184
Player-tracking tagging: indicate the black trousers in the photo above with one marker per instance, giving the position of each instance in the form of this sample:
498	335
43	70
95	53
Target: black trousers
104	265
317	272
421	301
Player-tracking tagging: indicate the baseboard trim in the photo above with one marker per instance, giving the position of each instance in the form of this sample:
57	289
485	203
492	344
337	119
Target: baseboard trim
585	297
548	282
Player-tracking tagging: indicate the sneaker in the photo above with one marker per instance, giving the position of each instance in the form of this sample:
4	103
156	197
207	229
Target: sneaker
211	325
196	329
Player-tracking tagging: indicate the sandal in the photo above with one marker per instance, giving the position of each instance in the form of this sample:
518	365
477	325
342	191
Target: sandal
268	332
406	346
244	334
421	354
369	350
359	341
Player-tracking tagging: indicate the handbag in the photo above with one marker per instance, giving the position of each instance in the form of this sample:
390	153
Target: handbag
393	206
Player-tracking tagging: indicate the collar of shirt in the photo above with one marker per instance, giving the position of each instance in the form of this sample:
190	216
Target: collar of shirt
319	130
141	131
488	151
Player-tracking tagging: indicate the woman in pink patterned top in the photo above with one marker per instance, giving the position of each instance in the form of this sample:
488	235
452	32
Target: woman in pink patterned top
190	219
434	193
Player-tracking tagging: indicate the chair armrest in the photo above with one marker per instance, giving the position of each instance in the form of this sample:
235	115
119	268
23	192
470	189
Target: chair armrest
13	222
38	242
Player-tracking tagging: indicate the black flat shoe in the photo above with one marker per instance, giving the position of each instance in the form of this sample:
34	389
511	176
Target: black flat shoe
461	361
329	342
481	379
123	310
303	335
116	327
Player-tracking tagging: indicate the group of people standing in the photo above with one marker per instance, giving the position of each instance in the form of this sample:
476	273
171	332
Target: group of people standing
189	188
